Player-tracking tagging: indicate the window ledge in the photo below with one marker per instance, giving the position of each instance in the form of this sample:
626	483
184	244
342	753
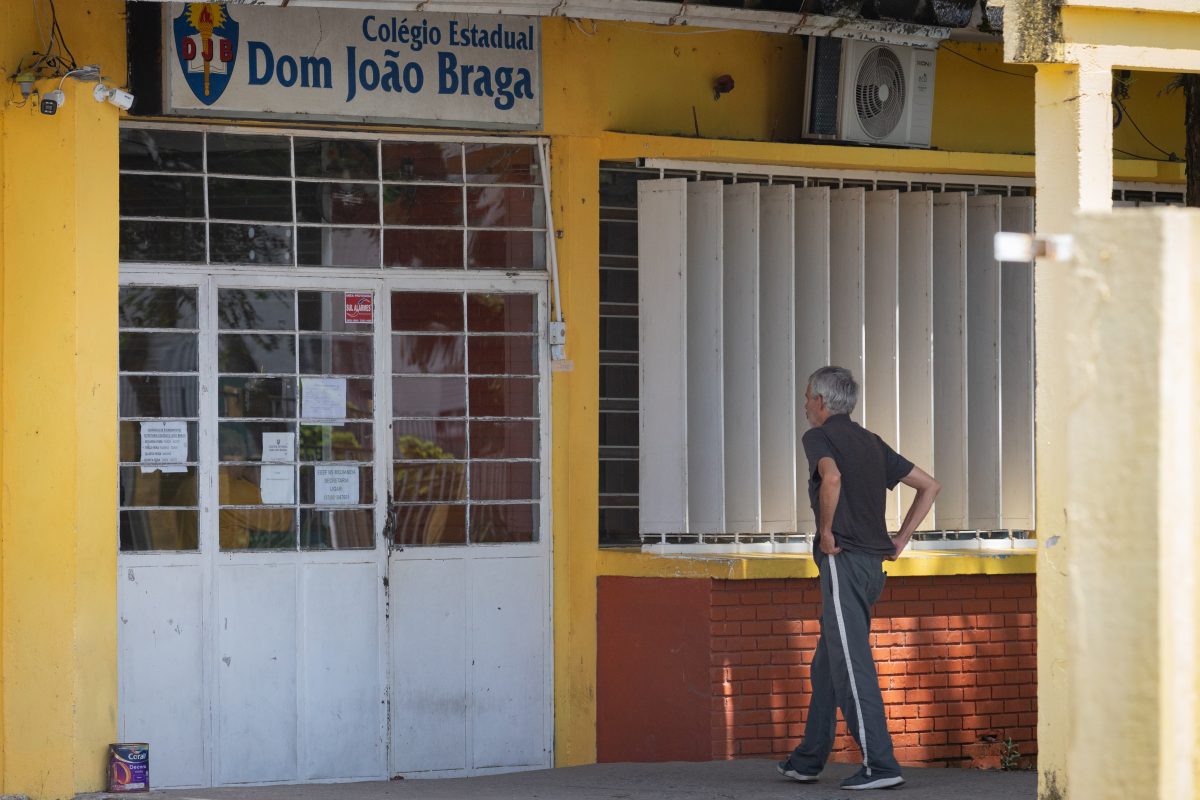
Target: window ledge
636	563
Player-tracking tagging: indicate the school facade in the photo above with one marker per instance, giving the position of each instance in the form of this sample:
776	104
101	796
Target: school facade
414	391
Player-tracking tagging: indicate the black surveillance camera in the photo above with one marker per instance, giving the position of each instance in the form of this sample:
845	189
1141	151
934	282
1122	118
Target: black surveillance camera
52	101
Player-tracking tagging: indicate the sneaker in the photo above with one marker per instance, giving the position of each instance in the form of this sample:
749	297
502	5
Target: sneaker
786	770
861	780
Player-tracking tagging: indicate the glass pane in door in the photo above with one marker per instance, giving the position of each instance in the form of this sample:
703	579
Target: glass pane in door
295	420
465	404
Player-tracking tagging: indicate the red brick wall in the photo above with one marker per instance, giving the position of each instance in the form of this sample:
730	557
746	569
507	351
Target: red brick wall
956	658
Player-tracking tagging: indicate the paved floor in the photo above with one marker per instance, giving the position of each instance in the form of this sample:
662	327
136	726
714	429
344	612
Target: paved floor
713	780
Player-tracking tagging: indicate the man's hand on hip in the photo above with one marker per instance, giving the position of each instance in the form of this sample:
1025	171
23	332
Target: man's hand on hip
828	545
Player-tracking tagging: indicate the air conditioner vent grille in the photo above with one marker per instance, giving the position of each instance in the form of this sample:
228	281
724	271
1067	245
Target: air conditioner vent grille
823	98
879	92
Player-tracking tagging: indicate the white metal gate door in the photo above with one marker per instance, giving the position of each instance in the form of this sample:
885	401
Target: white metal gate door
252	633
469	570
299	690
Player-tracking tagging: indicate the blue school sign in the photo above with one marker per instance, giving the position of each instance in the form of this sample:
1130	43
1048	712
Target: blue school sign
334	64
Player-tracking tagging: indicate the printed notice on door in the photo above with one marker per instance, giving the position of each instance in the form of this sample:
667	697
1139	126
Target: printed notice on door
323	398
277	486
279	446
336	485
164	446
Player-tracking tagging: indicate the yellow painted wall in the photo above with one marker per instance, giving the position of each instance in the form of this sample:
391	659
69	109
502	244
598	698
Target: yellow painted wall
58	247
58	186
58	506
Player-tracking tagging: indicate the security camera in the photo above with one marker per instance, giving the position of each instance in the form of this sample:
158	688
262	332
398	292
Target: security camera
52	101
119	98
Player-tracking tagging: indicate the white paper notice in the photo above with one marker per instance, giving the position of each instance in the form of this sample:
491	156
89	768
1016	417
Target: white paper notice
279	447
336	485
164	446
323	398
277	485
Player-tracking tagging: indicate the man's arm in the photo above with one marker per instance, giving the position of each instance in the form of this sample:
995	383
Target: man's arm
828	495
927	489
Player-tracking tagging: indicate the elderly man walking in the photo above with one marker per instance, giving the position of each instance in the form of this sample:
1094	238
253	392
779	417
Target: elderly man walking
850	471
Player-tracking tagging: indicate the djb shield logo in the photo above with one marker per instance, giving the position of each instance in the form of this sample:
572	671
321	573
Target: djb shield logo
206	40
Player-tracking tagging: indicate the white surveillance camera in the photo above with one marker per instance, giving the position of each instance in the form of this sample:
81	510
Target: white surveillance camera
119	98
52	101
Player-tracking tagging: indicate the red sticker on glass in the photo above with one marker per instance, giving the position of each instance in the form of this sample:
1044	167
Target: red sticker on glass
360	307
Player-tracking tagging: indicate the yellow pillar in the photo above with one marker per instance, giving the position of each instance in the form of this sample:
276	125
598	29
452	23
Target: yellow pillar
58	453
1131	450
1073	125
575	391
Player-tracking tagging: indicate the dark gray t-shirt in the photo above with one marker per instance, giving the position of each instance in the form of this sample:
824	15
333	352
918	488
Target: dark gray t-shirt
869	469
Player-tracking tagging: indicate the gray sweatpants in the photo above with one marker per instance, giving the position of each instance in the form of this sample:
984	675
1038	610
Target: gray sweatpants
843	670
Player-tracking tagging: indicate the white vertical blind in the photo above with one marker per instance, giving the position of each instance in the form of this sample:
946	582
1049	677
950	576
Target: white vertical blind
1016	374
950	358
916	339
777	324
812	321
662	345
983	364
881	259
743	493
705	360
846	301
745	290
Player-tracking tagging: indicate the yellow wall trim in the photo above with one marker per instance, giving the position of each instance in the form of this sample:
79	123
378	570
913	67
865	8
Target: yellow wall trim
636	564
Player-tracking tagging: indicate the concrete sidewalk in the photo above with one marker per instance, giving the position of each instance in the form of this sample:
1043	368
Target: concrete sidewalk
712	780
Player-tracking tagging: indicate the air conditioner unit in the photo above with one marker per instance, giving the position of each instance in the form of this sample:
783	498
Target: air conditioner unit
869	92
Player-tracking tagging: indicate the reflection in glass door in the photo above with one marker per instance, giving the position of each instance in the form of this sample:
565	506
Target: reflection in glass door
465	402
295	406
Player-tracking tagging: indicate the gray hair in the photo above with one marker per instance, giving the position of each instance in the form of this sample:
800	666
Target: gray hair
837	386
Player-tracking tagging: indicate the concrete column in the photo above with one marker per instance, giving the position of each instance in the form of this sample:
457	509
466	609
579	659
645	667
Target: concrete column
1074	171
1132	388
575	387
58	449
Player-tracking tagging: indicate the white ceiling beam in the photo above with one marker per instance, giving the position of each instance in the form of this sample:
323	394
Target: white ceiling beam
652	12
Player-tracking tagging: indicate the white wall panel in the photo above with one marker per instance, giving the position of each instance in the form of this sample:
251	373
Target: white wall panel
777	325
983	359
950	358
508	654
846	292
812	322
160	667
916	339
430	687
741	300
256	734
662	338
705	362
1016	375
342	697
881	276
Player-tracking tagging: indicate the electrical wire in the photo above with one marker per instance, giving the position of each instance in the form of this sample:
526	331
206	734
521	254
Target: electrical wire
56	32
1143	158
987	66
1125	112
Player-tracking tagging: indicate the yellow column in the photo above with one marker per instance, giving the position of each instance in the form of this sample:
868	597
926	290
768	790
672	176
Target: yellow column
575	397
1074	170
58	453
1131	508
